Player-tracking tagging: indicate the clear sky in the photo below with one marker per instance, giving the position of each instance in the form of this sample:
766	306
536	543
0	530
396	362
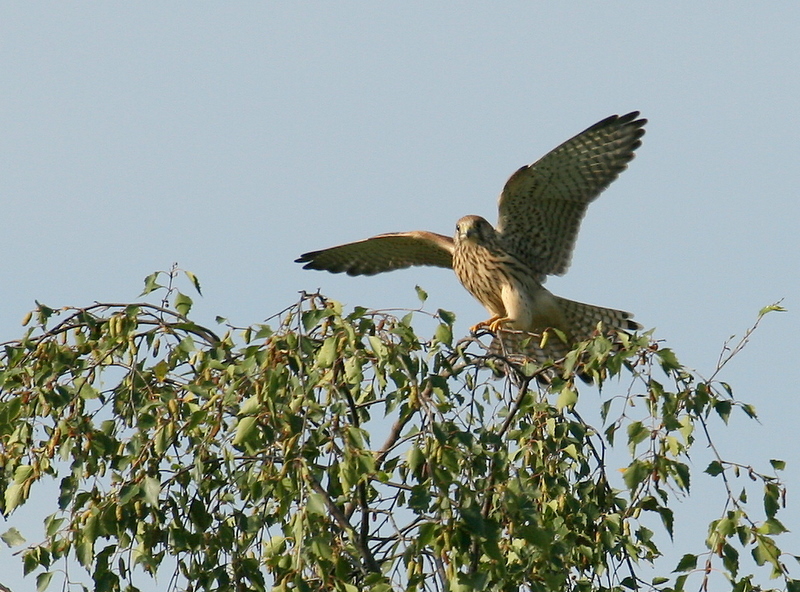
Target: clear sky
231	138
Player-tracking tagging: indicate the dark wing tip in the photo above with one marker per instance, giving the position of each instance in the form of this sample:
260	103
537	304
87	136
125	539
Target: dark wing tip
636	127
308	259
630	324
630	117
628	133
312	261
627	121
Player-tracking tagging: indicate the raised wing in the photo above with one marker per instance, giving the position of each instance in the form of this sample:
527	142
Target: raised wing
385	252
542	204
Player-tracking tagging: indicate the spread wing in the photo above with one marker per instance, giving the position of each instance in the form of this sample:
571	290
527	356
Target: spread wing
542	204
385	252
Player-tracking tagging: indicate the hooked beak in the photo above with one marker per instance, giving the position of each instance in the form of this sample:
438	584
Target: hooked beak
466	232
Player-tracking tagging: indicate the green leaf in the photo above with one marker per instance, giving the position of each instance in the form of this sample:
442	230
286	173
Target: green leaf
421	294
444	334
730	558
723	409
196	282
771	308
611	432
316	504
668	519
686	429
43	581
778	465
714	468
251	406
22	473
415	458
88	392
680	582
263	332
12	537
321	549
636	472
727	387
183	304
327	353
84	551
245	430
199	516
310	318
749	410
772	526
446	316
426	533
682	475
13	497
378	347
10	412
275	546
772	495
151	490
668	359
727	526
766	552
474	520
150	283
43	312
637	433
566	399
687	563
161	369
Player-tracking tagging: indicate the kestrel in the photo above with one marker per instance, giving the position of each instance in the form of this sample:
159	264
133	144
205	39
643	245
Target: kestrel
539	214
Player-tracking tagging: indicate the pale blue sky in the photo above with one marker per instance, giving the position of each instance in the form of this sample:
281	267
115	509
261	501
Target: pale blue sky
233	137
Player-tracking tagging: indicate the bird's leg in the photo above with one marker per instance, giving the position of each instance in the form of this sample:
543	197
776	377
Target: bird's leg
496	323
475	328
493	324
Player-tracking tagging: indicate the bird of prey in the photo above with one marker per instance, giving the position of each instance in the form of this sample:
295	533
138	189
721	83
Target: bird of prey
504	267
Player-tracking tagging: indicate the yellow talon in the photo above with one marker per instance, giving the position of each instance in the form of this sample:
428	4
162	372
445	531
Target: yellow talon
496	323
488	323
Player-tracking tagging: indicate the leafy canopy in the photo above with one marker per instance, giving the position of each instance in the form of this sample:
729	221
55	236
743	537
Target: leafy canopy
337	450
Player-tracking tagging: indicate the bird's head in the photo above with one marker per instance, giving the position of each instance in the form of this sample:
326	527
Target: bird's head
474	229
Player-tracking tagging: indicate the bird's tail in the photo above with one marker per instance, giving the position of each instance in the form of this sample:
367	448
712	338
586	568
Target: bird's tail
519	346
583	319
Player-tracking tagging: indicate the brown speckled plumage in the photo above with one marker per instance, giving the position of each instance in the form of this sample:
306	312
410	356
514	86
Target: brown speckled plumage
539	215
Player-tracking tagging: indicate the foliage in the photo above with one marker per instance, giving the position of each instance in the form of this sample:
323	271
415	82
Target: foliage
338	451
